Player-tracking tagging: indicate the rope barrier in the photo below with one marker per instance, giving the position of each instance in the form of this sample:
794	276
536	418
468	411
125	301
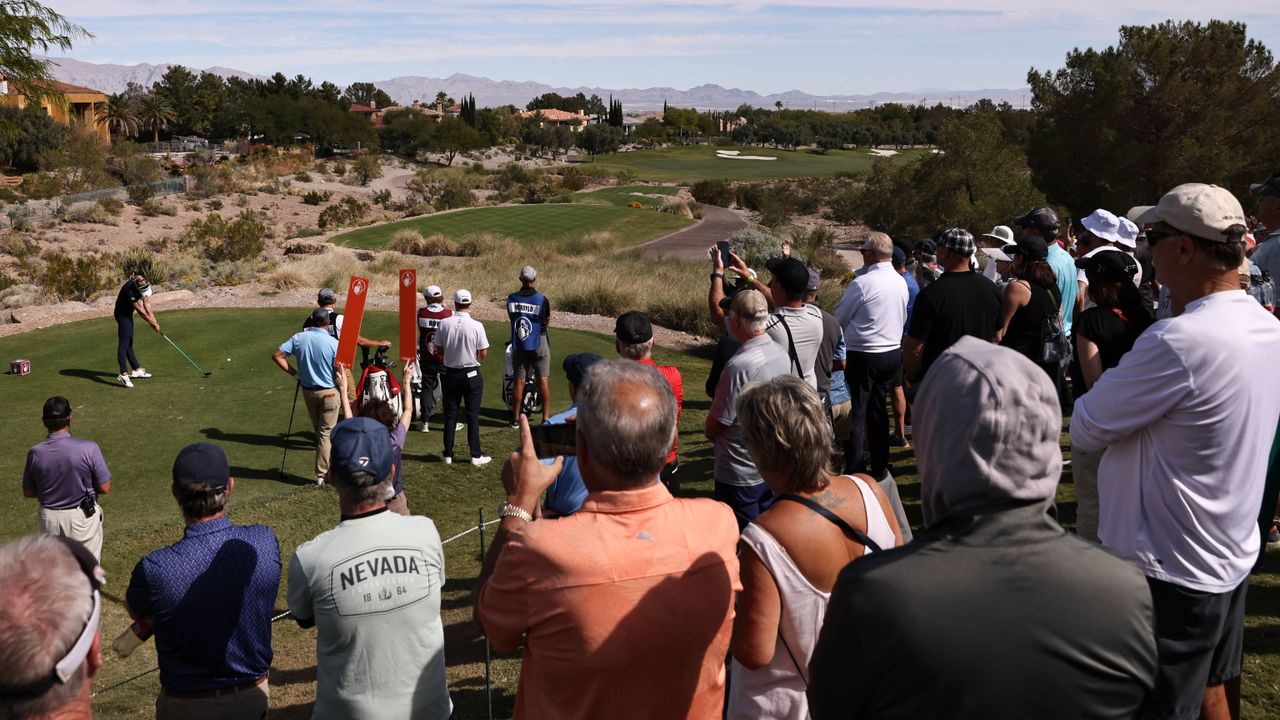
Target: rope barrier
279	617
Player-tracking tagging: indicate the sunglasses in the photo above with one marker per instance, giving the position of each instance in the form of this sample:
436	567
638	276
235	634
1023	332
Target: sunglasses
1155	236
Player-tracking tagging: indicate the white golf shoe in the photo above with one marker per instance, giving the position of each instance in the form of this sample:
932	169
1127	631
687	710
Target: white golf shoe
124	380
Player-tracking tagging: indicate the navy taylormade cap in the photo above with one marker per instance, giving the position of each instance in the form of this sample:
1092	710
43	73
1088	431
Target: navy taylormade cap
201	463
360	445
57	408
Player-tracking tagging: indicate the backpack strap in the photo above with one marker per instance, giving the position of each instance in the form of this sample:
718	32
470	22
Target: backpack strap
791	347
833	519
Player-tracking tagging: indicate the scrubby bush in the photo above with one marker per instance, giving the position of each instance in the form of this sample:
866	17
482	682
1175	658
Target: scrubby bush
599	298
589	244
512	174
18	246
155	208
214	204
88	213
635	205
22	218
286	279
138	261
348	211
214	179
573	179
111	205
676	207
713	192
410	242
816	248
383	198
302	176
316	197
366	169
223	241
67	278
41	185
140	193
754	246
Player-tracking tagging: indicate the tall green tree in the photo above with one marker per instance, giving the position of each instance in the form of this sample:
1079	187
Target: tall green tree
597	139
1170	103
119	113
155	112
364	93
33	133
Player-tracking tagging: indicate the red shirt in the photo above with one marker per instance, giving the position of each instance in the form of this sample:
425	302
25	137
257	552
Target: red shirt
428	323
677	386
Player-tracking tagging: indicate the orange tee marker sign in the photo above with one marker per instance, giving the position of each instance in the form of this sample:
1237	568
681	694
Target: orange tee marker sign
408	315
352	316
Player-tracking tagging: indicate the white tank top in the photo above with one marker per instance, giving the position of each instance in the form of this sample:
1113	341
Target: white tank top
777	690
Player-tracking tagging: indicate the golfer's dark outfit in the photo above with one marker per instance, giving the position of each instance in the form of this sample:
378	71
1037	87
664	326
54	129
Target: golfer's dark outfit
129	294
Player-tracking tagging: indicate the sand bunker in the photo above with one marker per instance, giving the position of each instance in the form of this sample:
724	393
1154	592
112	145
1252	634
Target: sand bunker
883	153
735	155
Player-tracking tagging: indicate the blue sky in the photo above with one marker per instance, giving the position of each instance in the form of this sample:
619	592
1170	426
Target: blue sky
818	46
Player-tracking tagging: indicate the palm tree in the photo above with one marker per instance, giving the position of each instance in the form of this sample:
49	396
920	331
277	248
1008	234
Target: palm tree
155	112
120	113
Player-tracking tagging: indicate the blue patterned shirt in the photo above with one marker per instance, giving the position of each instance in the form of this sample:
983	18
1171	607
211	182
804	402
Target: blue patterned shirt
210	597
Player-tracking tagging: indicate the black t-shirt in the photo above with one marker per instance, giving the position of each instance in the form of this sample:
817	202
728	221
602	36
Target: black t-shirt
129	294
1111	333
1026	327
955	305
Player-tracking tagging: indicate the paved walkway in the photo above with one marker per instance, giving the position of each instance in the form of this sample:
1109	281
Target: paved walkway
692	243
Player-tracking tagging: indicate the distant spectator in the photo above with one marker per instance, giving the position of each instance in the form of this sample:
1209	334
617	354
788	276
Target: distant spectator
50	643
209	598
1000	266
791	554
1043	223
1103	232
737	482
1187	419
1267	255
825	362
67	475
625	608
927	267
529	312
1030	301
995	240
464	345
916	632
398	428
567	492
371	588
872	312
633	340
961	302
898	396
430	363
317	357
794	326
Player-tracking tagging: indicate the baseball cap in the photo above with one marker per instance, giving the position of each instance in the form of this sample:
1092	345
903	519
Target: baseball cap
790	273
319	316
202	463
1033	247
1040	217
1267	188
462	297
632	328
815	279
326	296
1136	212
1003	233
749	304
1104	224
899	255
360	445
1205	211
988	430
528	273
927	246
957	240
433	292
56	408
576	365
1111	264
996	254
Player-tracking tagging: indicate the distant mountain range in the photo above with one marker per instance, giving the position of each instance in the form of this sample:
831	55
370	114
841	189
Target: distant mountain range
490	93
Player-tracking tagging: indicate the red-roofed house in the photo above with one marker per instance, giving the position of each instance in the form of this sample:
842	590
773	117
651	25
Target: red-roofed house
573	121
81	106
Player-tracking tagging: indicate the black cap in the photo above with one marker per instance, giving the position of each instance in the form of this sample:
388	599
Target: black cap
201	463
790	273
1033	247
576	365
319	316
1267	188
633	328
1110	264
927	246
57	408
1041	217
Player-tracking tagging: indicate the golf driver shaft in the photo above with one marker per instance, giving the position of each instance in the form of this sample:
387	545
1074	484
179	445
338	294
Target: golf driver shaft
289	433
188	357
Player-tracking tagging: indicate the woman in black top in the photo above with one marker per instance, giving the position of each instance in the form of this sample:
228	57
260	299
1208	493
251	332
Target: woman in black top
1106	331
1030	299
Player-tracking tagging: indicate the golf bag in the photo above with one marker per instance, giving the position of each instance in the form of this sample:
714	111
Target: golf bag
377	382
531	403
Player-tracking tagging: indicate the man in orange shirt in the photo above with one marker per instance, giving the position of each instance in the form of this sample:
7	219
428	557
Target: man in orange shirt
633	339
625	608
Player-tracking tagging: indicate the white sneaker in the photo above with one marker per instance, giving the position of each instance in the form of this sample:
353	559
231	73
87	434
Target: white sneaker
448	460
425	428
319	481
459	427
140	373
124	380
482	460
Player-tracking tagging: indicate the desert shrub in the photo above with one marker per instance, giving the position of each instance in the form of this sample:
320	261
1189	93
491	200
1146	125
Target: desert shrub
366	169
775	214
635	205
454	193
18	246
88	213
22	218
599	298
6	282
844	207
154	208
625	176
511	175
41	185
67	278
676	207
347	211
845	175
286	279
7	195
214	204
687	315
588	244
223	241
111	205
339	168
138	261
140	193
415	209
573	179
306	232
713	192
302	176
131	166
213	179
316	197
410	242
698	210
754	246
383	198
236	272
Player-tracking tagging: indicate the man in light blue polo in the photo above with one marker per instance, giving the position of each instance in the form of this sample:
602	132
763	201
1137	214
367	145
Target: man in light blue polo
316	352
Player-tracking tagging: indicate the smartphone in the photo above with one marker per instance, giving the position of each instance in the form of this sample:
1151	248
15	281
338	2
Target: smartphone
552	440
723	246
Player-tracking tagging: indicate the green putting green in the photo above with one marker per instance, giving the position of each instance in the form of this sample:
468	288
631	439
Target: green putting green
528	224
689	163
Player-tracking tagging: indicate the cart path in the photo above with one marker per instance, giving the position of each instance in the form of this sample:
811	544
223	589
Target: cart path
692	243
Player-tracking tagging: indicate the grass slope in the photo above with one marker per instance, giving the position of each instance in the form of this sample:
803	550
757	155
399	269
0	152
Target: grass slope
624	194
699	162
244	408
527	224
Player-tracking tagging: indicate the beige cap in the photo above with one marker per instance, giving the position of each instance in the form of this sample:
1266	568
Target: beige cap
1205	211
749	305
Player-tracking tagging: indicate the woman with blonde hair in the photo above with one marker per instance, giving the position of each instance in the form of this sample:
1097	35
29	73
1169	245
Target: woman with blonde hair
791	554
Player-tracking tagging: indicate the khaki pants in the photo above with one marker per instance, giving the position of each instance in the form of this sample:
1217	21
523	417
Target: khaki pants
399	504
73	525
1084	473
248	704
322	406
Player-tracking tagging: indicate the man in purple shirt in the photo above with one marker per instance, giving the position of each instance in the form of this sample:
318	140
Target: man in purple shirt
67	475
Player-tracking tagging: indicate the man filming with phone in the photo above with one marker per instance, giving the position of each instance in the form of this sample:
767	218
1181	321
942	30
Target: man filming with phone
566	494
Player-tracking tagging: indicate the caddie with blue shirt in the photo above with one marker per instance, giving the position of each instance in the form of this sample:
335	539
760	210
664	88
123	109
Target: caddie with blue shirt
530	313
316	352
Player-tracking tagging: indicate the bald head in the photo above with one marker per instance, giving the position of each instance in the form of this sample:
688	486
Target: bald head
627	420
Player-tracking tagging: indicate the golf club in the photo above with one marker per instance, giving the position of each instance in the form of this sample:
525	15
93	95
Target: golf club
289	433
203	372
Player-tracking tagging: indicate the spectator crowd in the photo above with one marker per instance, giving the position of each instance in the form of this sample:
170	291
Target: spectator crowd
799	588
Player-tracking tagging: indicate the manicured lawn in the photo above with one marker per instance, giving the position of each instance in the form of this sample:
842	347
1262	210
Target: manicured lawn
700	162
528	224
244	408
622	195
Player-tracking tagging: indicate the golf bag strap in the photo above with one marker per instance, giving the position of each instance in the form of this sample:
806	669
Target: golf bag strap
791	347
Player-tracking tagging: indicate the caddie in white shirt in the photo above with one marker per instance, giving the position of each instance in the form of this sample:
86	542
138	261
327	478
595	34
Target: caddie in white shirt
1187	420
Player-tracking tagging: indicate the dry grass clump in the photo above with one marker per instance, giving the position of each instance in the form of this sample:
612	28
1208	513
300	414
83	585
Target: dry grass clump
677	207
286	279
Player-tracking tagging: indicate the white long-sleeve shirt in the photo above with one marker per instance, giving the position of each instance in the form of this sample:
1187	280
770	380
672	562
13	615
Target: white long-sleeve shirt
874	310
1187	420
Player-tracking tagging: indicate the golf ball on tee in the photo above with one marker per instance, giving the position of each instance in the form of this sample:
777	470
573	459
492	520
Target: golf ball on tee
228	359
